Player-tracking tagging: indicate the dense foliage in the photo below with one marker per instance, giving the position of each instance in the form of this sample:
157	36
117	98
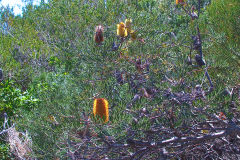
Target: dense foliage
53	69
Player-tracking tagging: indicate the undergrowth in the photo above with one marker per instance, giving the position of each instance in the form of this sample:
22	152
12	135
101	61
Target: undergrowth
53	71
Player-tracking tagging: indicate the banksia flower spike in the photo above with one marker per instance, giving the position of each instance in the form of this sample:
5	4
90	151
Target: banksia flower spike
121	30
99	34
128	23
100	109
133	35
181	2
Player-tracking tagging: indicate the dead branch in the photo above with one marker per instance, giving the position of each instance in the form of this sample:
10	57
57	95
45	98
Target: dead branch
19	142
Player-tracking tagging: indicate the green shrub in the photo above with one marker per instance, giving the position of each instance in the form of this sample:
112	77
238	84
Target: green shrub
227	16
59	35
13	99
4	152
221	36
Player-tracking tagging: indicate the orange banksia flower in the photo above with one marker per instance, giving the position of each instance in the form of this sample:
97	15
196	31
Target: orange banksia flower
100	108
99	34
121	30
181	2
222	116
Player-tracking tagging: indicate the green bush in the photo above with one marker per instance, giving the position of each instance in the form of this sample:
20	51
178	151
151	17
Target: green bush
225	17
53	46
13	99
4	152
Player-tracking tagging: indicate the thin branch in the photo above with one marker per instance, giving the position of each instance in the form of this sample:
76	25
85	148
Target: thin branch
231	130
139	153
199	7
6	124
6	130
209	79
199	36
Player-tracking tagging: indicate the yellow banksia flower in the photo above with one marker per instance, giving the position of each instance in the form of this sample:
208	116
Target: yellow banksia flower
164	45
100	108
205	131
53	119
133	35
121	30
128	23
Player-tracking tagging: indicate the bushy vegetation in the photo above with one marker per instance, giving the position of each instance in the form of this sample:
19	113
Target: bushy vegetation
4	151
14	99
53	70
